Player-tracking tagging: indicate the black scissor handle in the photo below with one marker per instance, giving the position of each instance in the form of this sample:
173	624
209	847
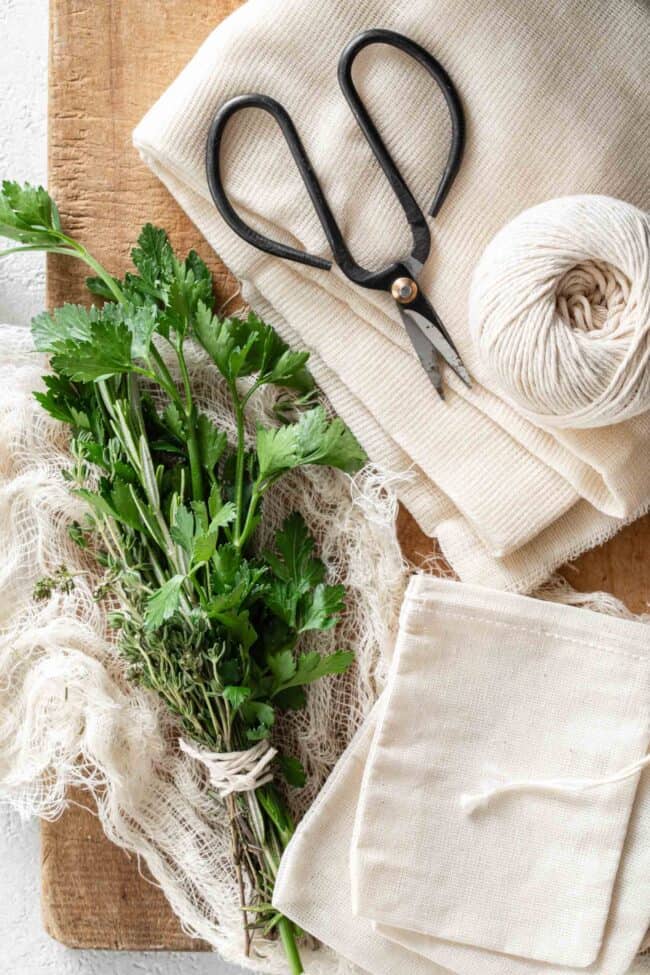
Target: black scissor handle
225	207
381	279
369	129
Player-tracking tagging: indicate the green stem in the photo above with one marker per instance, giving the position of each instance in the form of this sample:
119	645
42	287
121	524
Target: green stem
94	264
72	248
162	376
239	463
135	406
288	939
256	385
250	517
185	376
272	849
219	733
155	564
43	248
194	453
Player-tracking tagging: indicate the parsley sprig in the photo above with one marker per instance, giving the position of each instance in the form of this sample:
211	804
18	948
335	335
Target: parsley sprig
205	620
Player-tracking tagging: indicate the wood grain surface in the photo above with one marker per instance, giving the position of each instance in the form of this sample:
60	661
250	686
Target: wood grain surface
109	61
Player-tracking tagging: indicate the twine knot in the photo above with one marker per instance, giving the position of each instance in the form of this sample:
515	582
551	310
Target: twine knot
230	772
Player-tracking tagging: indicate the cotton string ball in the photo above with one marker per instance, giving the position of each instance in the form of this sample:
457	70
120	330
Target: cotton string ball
560	312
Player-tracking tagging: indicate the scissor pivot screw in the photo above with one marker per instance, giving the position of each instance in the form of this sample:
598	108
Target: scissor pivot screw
404	290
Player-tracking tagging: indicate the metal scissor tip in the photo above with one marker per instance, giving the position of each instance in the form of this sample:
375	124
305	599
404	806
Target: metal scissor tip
432	342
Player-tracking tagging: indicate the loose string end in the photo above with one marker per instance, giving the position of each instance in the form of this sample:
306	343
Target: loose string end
471	802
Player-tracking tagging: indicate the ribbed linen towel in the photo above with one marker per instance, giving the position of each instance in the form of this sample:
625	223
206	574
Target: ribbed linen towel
556	98
487	686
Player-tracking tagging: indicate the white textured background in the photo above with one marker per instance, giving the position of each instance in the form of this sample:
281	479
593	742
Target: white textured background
24	947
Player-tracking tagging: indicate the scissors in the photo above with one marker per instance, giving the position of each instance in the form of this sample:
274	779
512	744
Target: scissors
429	337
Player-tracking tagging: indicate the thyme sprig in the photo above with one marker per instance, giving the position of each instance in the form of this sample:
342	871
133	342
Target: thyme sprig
205	621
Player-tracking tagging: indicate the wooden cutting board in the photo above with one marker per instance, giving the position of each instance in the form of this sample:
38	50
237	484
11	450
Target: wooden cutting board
109	61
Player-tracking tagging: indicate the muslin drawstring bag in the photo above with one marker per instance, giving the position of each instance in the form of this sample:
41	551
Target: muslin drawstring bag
540	702
500	692
556	102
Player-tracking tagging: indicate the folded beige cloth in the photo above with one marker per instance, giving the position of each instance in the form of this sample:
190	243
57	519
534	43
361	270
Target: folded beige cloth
556	97
541	880
486	689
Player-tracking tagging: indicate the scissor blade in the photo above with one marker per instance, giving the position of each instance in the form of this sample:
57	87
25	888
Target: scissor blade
427	353
425	319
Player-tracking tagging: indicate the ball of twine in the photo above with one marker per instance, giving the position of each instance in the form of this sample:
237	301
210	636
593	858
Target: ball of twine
560	311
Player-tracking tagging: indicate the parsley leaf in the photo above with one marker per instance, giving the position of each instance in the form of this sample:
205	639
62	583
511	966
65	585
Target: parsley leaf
282	665
203	547
289	370
224	516
70	323
174	422
154	259
65	401
313	439
28	215
182	530
294	561
226	564
320	608
125	506
142	322
227	342
260	717
190	283
328	442
276	450
164	602
236	695
241	347
238	625
212	442
293	770
106	353
312	666
297	593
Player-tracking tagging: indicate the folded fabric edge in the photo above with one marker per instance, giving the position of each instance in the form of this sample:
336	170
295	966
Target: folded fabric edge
580	529
434	596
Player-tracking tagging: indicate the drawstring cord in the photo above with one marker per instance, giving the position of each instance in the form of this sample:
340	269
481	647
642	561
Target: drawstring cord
471	802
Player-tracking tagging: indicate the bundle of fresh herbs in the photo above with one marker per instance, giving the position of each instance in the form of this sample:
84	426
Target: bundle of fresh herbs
203	618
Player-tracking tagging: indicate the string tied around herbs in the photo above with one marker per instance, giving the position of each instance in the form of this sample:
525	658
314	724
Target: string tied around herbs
230	772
